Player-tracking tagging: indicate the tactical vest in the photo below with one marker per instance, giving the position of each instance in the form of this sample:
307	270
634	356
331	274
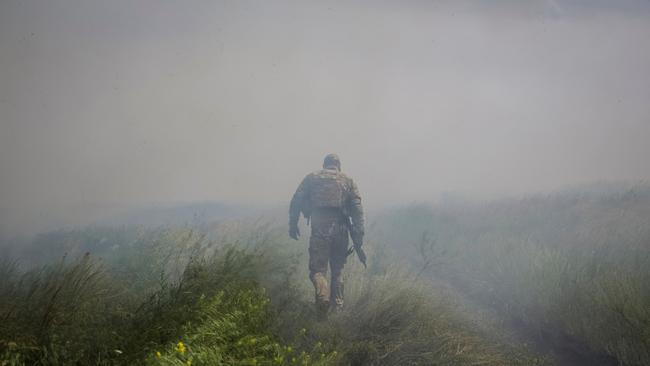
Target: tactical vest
327	190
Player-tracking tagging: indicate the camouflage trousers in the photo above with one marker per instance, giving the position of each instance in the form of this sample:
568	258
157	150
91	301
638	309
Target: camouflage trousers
328	244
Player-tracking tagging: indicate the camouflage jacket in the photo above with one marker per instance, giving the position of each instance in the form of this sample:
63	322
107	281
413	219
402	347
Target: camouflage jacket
351	206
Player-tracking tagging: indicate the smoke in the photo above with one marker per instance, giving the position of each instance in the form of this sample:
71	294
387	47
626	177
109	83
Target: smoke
106	106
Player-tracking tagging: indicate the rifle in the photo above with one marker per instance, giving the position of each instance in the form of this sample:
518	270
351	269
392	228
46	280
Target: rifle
356	243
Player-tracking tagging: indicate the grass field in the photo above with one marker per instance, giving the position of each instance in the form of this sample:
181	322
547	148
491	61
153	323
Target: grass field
173	297
572	266
573	269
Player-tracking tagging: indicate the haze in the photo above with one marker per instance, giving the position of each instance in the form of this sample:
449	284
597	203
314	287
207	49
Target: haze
107	105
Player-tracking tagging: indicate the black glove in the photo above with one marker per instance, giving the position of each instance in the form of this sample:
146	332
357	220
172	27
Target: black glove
294	232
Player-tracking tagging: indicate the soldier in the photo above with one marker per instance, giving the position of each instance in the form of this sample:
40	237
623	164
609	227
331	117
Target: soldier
332	201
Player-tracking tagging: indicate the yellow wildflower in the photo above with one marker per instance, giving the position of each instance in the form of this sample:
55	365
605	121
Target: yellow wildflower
158	354
180	348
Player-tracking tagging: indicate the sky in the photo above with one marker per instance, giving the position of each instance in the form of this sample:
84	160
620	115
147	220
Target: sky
111	105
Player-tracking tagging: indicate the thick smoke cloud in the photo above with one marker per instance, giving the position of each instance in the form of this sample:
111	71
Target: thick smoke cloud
111	105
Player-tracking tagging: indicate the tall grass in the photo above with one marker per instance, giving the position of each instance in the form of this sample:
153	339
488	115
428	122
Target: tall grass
173	297
574	266
53	306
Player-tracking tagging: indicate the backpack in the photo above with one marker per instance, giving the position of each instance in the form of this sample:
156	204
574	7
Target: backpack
327	190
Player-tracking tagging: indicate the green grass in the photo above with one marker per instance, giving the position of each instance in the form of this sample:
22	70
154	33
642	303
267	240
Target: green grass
172	297
574	266
569	266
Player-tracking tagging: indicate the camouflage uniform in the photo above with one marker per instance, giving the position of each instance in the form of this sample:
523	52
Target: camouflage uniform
329	228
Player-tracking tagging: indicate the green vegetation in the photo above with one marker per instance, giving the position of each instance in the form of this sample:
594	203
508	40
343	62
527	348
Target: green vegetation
443	287
174	298
573	267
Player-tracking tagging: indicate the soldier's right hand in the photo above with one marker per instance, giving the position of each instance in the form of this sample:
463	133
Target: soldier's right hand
294	232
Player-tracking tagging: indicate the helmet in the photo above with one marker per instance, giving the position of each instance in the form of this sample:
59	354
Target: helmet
332	160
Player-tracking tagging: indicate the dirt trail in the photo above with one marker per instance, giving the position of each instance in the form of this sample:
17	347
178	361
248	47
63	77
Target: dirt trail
561	349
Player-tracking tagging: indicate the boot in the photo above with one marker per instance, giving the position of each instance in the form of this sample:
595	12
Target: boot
321	310
336	308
